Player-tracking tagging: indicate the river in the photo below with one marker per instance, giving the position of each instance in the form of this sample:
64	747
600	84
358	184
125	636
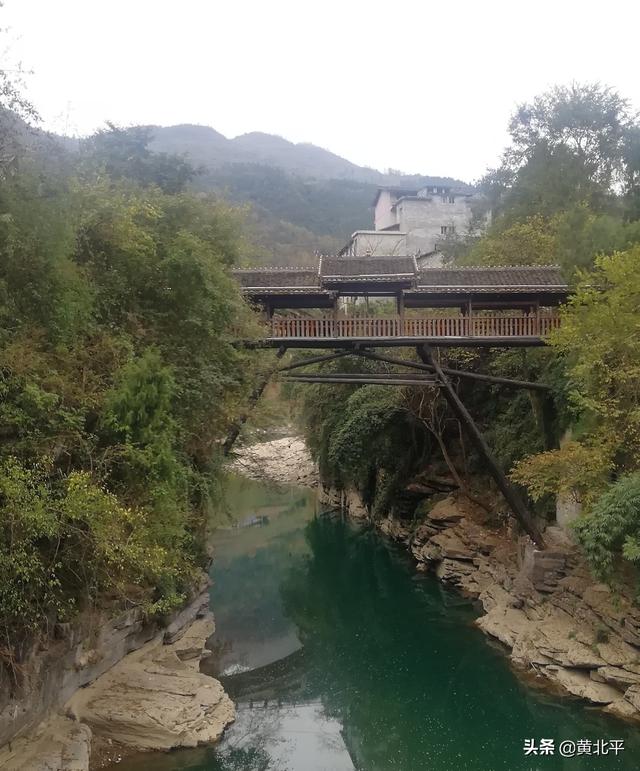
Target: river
341	657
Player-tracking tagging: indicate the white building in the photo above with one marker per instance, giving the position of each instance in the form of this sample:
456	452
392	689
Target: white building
410	222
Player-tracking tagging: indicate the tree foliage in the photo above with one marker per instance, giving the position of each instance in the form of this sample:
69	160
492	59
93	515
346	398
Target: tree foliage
612	527
588	121
118	378
599	340
567	189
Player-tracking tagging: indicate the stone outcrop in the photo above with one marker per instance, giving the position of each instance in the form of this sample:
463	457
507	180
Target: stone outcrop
57	744
156	698
544	606
283	461
125	680
76	655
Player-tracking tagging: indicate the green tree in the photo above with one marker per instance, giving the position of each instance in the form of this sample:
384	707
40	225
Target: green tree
124	153
531	242
588	121
118	381
599	340
612	528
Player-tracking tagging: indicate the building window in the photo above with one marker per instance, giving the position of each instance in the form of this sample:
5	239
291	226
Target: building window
447	230
452	199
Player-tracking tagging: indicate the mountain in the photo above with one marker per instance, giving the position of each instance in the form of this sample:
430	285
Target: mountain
210	148
302	198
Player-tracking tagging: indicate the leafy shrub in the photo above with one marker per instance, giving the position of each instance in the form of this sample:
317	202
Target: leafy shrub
67	544
612	528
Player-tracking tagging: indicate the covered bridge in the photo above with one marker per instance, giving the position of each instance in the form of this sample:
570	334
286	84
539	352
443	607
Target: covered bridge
306	307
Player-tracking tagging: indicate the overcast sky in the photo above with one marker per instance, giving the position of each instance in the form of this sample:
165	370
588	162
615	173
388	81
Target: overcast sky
416	85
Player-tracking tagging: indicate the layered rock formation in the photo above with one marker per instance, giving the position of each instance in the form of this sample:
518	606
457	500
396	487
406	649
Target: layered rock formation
154	698
59	743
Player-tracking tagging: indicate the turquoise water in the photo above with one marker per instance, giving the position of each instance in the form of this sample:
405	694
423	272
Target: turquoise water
340	657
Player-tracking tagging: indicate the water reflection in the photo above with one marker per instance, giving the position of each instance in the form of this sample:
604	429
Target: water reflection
345	659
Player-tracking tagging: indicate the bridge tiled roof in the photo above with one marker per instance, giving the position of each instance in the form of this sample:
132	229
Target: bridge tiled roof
334	271
339	269
511	279
272	280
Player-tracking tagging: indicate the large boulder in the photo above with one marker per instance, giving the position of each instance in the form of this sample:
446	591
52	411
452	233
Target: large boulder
156	698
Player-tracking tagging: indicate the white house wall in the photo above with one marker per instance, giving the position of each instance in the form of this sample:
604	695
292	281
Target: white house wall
383	216
380	244
423	220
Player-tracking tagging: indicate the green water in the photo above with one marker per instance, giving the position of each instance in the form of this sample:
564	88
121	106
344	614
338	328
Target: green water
340	657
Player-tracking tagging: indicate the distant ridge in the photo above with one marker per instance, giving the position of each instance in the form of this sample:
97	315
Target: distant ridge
208	147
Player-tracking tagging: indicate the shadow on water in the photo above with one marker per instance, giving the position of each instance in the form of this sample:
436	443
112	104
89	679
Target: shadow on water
345	659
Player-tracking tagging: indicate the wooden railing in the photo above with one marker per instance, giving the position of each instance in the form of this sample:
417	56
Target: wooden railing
430	327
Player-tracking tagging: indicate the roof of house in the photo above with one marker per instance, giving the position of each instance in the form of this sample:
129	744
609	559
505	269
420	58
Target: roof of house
394	189
458	188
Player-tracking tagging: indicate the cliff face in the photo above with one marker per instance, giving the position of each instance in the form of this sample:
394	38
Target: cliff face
122	679
544	606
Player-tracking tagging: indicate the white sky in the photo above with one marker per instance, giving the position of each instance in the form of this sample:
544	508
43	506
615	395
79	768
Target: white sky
416	85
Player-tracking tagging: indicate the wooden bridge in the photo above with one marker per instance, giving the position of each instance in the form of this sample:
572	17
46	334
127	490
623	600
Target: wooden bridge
491	307
511	307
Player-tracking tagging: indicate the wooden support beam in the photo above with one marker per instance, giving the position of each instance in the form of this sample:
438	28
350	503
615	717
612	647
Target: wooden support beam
314	360
235	429
429	379
494	379
408	380
511	495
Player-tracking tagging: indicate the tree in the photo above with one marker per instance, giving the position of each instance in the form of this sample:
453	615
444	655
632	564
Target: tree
599	340
531	242
612	528
589	121
118	379
124	153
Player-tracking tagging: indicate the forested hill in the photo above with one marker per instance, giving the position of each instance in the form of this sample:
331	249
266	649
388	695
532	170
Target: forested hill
302	198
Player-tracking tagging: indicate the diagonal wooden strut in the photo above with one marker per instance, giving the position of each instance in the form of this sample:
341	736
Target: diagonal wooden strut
367	354
455	372
314	360
511	495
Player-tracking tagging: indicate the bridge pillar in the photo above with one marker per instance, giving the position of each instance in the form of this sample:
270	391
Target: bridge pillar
400	308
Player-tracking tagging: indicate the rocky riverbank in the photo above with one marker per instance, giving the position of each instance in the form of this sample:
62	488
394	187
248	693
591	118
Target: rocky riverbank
557	623
283	461
153	698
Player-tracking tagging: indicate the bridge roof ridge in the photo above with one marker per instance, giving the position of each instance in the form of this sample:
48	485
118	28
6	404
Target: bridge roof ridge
492	267
275	268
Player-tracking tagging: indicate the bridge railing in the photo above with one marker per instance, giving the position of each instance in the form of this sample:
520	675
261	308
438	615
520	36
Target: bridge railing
425	327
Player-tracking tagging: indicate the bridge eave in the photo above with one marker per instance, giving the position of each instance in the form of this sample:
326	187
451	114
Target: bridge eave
397	342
